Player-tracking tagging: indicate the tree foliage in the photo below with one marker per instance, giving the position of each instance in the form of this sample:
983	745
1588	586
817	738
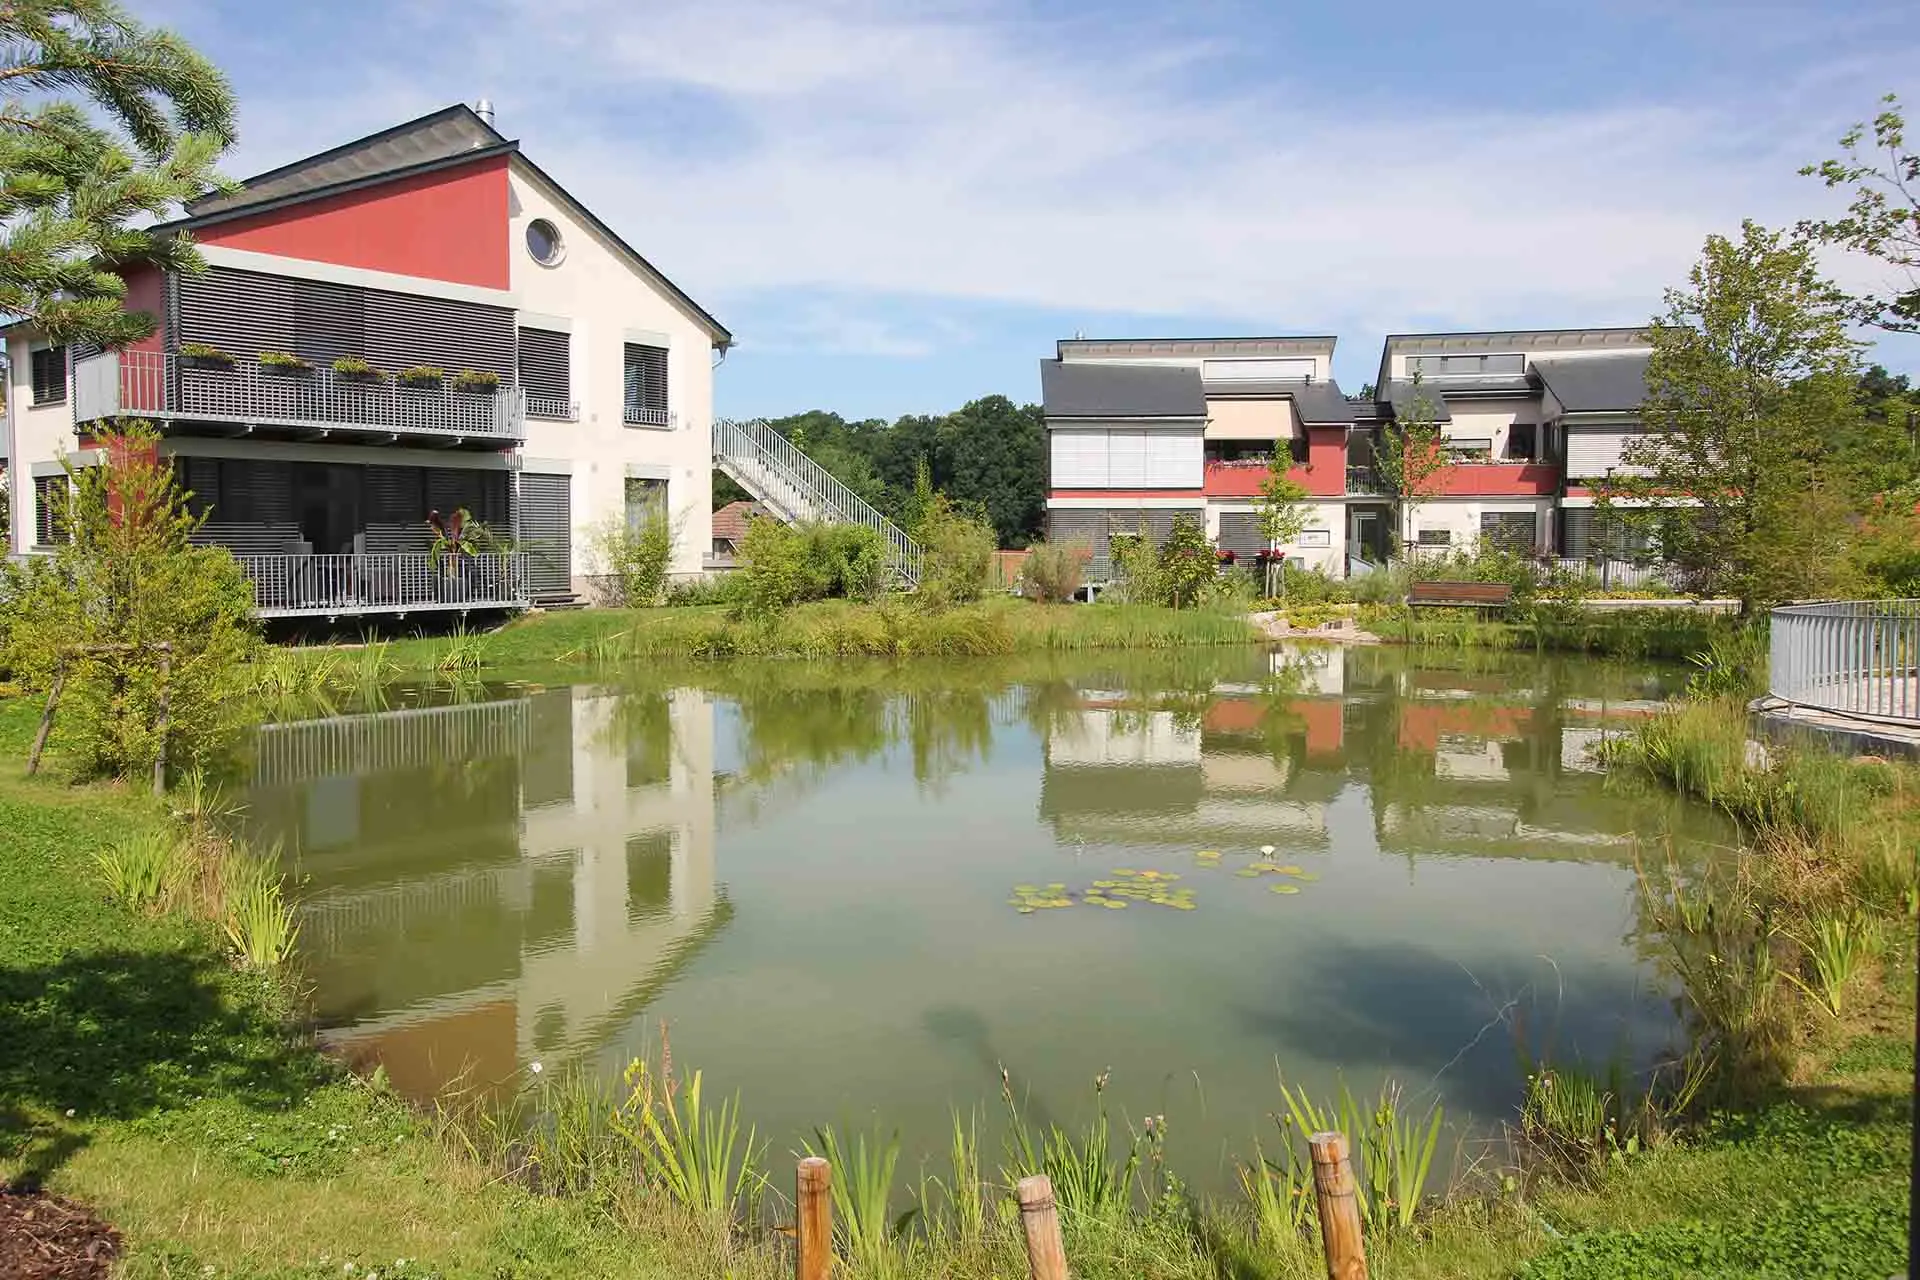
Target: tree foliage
1752	371
72	188
1282	512
632	557
784	565
1411	456
1882	220
959	553
125	580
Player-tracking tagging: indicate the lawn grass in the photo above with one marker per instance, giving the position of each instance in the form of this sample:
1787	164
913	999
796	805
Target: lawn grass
140	1072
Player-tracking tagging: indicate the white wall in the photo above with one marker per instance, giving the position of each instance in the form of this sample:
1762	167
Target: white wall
1463	518
1329	518
1489	420
42	434
609	303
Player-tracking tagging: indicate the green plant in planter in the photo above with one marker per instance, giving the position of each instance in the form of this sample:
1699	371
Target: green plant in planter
205	355
477	380
357	368
283	362
423	375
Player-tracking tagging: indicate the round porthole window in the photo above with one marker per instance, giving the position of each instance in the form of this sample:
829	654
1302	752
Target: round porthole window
544	243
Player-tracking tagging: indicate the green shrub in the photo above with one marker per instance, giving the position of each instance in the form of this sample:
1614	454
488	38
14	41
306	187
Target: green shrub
631	558
1315	586
126	582
783	565
959	551
1187	562
725	588
1053	572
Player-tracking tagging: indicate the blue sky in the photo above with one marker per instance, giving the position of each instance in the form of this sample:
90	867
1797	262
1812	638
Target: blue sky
897	207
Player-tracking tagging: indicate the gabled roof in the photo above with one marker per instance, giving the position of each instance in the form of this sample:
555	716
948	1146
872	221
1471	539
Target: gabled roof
1319	404
1400	396
442	139
1596	384
730	521
1074	390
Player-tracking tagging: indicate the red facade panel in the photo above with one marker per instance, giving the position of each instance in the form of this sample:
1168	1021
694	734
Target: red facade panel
447	225
1498	480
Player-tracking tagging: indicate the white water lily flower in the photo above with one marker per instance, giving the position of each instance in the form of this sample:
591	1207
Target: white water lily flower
535	1068
1266	851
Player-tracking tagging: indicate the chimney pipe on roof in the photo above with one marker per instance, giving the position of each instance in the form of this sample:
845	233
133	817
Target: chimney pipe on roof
484	109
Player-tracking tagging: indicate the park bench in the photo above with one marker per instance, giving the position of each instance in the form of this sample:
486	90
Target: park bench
1469	595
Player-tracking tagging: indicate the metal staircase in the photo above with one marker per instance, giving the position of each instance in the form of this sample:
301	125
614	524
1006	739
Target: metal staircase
796	488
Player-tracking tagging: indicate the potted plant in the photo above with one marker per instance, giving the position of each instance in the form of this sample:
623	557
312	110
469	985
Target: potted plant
284	364
356	369
477	380
200	355
423	375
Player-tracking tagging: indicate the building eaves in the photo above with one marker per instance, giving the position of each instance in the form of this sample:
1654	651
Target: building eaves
1485	340
1271	345
1596	384
1071	390
1401	397
1319	404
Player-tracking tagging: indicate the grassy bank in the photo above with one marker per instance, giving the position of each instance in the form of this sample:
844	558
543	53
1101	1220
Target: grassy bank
142	1072
1672	635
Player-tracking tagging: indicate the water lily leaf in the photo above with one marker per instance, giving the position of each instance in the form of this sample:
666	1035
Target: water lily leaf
1026	911
1125	871
1285	888
1116	906
1290	870
1024	888
1248	873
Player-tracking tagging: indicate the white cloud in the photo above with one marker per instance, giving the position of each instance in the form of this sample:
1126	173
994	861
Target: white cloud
965	152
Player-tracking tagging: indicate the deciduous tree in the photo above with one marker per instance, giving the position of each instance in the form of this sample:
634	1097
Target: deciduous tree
1752	371
1883	215
1282	512
103	123
1411	457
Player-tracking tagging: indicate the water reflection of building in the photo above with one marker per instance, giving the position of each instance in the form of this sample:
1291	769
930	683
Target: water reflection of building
1452	761
496	882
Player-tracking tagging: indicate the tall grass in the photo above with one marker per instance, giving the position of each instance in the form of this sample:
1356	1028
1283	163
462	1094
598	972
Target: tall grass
1840	948
697	1155
863	1197
259	922
1393	1145
1088	1180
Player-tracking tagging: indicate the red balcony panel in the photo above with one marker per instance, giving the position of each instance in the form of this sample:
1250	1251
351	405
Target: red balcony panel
1498	480
1239	479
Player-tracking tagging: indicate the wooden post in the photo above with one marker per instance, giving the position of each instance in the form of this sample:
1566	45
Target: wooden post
1339	1207
813	1220
46	718
1046	1255
160	720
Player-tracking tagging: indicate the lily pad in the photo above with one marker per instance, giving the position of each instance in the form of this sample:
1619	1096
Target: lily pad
1285	888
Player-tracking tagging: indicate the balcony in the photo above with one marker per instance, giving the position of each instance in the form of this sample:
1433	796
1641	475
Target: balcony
640	416
1496	479
244	396
316	586
1368	481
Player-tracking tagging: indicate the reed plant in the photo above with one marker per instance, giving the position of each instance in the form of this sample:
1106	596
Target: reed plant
863	1177
1392	1145
462	652
1088	1180
698	1156
1839	948
143	871
259	922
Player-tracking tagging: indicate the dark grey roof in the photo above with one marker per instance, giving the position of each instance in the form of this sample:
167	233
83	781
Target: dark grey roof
1089	390
1596	384
1318	403
1401	396
450	133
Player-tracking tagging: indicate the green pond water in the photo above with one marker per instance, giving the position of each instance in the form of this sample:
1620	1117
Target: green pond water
841	887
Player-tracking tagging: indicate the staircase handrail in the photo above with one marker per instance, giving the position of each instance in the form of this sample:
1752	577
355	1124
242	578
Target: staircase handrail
815	485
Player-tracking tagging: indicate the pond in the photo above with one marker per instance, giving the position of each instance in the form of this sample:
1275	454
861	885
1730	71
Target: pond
855	893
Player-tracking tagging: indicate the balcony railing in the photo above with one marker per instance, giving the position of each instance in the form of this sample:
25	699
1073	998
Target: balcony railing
290	586
553	409
636	416
161	385
1857	658
1367	480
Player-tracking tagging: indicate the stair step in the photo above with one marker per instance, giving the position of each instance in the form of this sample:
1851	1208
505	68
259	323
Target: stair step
559	602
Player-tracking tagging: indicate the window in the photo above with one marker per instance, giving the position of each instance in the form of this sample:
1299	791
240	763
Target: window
544	244
646	500
1434	538
646	386
1469	449
1522	441
1474	366
50	375
1510	531
49	509
546	373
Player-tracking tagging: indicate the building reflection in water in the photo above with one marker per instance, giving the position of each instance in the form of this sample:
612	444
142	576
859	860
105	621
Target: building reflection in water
490	884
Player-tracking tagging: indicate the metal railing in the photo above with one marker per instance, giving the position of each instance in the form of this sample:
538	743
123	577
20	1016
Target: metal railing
1623	575
286	586
380	742
636	416
1855	657
1367	480
553	408
797	488
155	384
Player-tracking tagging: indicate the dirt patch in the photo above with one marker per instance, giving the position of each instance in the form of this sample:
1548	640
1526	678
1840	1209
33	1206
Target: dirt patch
43	1237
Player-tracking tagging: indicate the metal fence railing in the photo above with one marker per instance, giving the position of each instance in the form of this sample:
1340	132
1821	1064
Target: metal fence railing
798	488
1855	657
1621	575
286	586
159	384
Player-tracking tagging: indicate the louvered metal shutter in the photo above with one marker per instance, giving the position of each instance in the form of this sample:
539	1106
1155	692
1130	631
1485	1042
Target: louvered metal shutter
546	363
405	329
49	370
395	508
1127	459
248	503
546	532
1240	534
646	382
1079	459
241	312
1510	531
50	495
481	494
329	321
1173	460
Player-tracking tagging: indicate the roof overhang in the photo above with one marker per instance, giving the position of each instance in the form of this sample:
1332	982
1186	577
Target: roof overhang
1152	348
1532	341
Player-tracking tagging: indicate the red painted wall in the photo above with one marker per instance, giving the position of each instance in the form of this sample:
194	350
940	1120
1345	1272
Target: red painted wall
147	291
1498	480
1326	473
448	225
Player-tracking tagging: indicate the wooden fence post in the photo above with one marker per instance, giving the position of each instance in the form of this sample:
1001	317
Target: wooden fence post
1046	1255
46	717
813	1220
1339	1202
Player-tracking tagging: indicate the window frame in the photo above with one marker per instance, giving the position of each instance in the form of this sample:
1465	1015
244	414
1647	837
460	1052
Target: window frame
55	356
47	529
637	407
